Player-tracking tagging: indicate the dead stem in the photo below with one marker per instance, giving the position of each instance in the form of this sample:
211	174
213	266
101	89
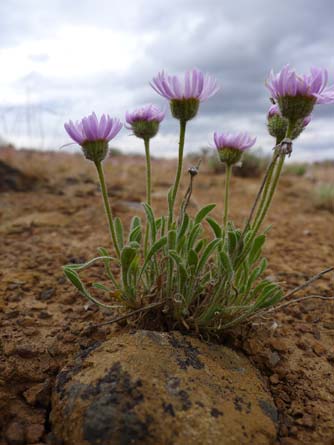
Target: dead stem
126	316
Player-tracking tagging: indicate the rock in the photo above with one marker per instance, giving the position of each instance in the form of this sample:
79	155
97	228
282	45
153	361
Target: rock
38	394
15	434
150	388
34	433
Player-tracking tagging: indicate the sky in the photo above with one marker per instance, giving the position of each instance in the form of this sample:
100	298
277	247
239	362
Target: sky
63	59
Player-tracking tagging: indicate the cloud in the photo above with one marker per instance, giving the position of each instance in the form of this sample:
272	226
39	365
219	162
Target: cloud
64	59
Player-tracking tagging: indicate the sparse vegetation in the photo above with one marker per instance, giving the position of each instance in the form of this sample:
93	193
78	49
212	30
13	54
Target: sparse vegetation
323	197
251	166
296	169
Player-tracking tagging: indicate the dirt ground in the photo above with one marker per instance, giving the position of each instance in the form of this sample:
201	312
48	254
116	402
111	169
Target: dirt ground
55	216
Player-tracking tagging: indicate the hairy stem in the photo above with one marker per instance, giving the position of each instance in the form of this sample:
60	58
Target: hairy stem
148	171
107	207
178	172
227	194
148	186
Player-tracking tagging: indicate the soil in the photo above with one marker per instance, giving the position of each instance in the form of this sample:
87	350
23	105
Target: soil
60	220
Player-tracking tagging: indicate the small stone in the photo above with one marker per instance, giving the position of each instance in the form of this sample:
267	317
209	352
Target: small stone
306	421
15	434
274	359
26	351
278	345
46	294
44	315
319	349
274	379
30	331
303	345
12	314
38	394
26	322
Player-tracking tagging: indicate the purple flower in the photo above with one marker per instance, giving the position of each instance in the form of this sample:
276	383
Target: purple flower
195	85
231	146
93	135
236	141
288	83
146	113
275	111
91	129
145	121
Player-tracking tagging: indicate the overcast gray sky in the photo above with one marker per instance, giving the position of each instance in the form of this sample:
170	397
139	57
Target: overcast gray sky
62	59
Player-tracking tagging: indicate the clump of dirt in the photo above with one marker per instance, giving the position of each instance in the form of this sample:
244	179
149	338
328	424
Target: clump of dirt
14	179
44	321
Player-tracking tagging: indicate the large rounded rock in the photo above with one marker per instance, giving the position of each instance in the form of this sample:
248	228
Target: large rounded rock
150	388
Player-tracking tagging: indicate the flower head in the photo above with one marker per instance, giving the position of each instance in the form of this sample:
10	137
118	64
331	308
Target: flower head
185	94
297	94
231	146
144	121
93	134
146	113
278	125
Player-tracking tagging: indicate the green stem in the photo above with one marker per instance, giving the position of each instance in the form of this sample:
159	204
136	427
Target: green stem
178	172
271	184
107	208
148	186
269	194
267	197
227	194
265	190
148	171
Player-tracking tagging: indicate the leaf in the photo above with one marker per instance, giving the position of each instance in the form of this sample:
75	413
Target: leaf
207	252
119	232
171	236
153	251
128	254
150	221
203	212
74	278
135	222
135	235
192	258
195	231
226	263
183	227
256	249
101	286
215	227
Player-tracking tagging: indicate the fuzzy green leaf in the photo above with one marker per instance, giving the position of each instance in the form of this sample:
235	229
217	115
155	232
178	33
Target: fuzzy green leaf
203	212
215	227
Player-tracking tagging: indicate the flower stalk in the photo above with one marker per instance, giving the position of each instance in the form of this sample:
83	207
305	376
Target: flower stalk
107	207
178	171
227	194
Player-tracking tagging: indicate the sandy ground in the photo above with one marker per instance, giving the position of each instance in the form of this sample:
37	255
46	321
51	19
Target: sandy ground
55	216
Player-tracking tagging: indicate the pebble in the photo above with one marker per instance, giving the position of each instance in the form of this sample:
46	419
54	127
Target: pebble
319	349
278	345
274	358
38	394
46	294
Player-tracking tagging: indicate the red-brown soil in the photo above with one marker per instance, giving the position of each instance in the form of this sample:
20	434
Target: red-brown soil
61	220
